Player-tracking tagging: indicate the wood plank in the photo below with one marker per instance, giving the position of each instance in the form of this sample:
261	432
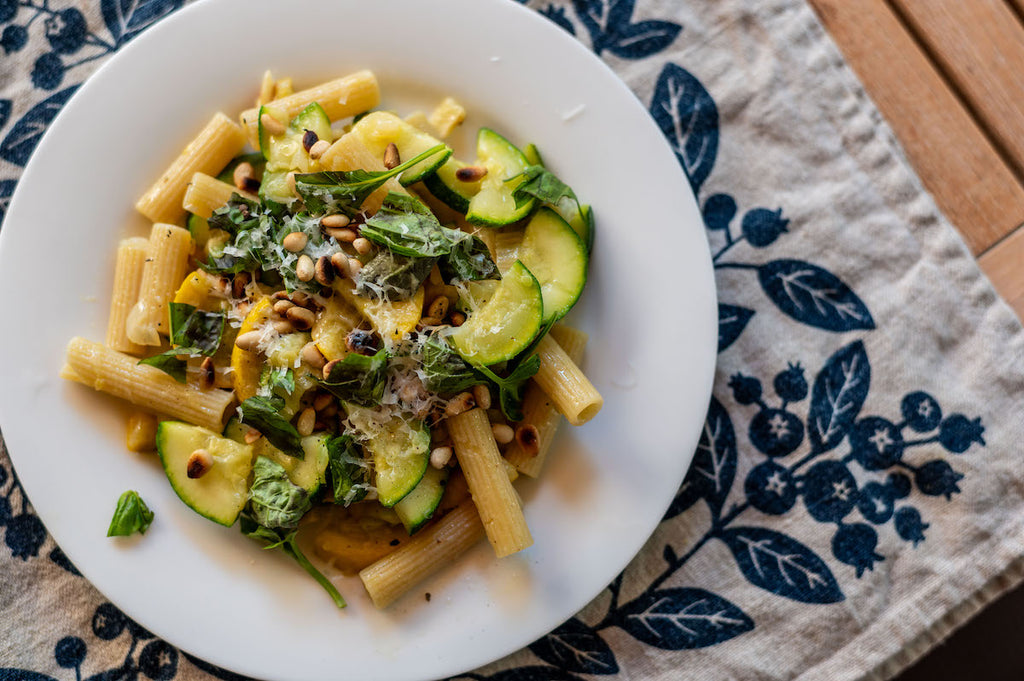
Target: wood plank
957	163
979	44
1004	265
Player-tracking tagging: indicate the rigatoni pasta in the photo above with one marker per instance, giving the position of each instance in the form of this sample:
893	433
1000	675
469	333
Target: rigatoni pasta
164	269
206	194
131	260
568	387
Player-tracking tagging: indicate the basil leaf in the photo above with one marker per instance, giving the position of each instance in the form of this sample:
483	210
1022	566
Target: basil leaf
238	214
131	515
345	191
510	388
469	260
264	415
349	471
276	381
196	329
169	363
407	227
358	378
276	502
392	277
540	183
445	371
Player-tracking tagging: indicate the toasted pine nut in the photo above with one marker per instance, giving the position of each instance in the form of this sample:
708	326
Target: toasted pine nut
354	267
470	174
300	298
362	245
301	317
334	220
290	181
309	138
312	356
391	157
252	435
295	241
503	434
306	421
482	395
271	124
248	340
340	262
342	234
281	306
438	307
207	373
284	327
460	403
528	438
322	400
243	176
318	149
199	463
440	456
457	318
324	271
330	367
304	268
239	283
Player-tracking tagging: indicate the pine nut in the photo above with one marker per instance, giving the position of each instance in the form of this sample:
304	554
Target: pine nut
503	434
252	435
290	181
207	373
438	307
460	403
248	340
309	138
312	356
199	464
295	241
440	456
362	245
284	327
324	272
239	283
304	268
470	174
340	262
244	175
482	395
300	298
322	400
335	220
428	321
329	367
301	317
306	421
281	306
528	438
354	267
271	124
318	149
391	157
342	234
457	318
328	411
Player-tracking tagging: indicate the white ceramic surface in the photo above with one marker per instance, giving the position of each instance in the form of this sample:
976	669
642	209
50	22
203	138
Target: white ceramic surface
650	307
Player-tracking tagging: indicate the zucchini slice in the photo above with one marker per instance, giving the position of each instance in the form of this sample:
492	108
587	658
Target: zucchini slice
450	190
219	494
309	472
418	506
493	205
400	450
557	257
504	325
381	128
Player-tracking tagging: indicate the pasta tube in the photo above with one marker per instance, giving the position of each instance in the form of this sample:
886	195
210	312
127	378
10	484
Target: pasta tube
429	550
539	411
165	268
131	259
353	94
448	115
492	492
206	194
147	387
569	389
218	143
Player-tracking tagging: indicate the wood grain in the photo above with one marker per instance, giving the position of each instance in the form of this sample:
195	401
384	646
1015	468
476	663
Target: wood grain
958	164
979	44
1004	266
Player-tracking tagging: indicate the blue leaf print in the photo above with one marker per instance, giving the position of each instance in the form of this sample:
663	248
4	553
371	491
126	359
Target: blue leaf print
714	464
688	117
21	141
10	674
732	319
611	27
557	15
6	190
781	565
127	18
683	619
216	671
575	647
814	296
5	111
535	673
837	396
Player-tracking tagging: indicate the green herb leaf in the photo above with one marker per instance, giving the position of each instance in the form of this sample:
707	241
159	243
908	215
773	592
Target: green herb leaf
469	260
392	277
358	378
264	415
276	502
169	363
510	388
445	370
540	183
407	227
195	329
349	471
131	515
345	191
237	215
276	381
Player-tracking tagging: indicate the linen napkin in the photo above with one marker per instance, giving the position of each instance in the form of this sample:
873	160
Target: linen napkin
857	491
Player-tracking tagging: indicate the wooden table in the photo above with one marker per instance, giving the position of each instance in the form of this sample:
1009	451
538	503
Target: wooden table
949	77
